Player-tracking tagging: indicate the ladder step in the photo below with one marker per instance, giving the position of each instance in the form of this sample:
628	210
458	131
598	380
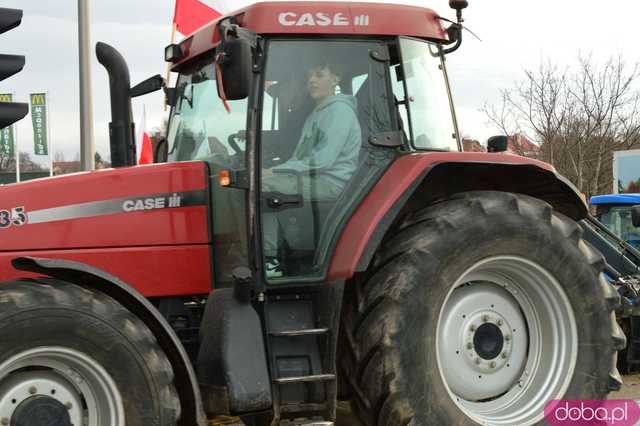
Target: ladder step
302	407
303	379
306	422
307	332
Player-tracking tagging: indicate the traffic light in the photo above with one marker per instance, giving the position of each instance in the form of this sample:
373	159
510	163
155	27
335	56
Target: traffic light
10	112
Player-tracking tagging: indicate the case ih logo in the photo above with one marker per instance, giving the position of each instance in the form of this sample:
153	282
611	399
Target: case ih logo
320	19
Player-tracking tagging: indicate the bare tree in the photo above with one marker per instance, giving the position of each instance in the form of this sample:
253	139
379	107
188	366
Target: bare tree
578	116
8	163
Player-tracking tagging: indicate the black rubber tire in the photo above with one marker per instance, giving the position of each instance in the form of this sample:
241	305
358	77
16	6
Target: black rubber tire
47	312
390	314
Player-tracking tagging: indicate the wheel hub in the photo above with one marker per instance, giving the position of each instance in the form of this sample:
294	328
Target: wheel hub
71	378
41	410
488	341
34	398
484	341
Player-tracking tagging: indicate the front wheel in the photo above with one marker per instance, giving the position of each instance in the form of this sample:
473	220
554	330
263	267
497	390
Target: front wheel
73	356
480	309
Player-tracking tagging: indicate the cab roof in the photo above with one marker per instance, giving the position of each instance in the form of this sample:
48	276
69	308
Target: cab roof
322	18
615	199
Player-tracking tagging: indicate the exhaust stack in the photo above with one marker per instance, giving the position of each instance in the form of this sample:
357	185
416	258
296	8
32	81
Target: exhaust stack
121	129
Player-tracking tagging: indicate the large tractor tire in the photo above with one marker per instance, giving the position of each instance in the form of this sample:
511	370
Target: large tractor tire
479	309
72	356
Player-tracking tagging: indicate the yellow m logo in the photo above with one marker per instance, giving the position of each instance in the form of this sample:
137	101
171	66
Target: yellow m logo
37	99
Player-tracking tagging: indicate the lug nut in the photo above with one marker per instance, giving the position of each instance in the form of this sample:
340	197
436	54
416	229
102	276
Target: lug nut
485	318
492	364
507	337
469	345
478	361
504	355
68	405
5	421
499	322
472	327
33	390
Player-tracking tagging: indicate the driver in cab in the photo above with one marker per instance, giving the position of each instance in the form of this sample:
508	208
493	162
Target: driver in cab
326	155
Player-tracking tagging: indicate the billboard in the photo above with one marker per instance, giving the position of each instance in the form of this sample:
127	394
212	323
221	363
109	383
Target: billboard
626	171
39	121
6	134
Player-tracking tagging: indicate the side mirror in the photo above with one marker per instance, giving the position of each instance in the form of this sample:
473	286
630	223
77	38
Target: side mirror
635	216
170	96
147	86
161	151
236	67
497	144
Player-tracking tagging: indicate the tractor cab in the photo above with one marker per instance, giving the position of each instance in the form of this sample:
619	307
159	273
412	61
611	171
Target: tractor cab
314	126
619	213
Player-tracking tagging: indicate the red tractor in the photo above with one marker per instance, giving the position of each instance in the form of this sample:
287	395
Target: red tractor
310	231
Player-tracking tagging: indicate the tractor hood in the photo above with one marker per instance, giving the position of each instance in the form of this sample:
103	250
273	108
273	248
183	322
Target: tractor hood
154	205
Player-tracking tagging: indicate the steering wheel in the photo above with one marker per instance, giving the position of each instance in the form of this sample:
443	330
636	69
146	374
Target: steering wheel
240	134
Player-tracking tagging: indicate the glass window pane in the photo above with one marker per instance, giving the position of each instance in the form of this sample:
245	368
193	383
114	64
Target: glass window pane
427	97
618	220
201	129
326	104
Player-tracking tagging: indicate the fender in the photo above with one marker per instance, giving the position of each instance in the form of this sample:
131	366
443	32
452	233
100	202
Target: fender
96	279
418	179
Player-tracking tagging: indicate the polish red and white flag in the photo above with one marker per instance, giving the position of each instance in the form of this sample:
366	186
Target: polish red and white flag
143	141
190	15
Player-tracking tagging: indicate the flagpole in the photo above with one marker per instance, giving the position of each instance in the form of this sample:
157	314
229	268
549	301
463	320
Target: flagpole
87	143
15	138
48	112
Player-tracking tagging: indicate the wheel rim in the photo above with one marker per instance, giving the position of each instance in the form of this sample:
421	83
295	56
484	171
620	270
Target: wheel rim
64	376
506	341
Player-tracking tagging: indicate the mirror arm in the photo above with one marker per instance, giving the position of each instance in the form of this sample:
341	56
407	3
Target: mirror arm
455	33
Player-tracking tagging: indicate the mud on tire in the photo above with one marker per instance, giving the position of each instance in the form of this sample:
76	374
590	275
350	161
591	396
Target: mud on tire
399	354
75	344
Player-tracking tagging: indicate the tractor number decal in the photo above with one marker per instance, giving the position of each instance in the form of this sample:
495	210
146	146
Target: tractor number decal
112	206
14	217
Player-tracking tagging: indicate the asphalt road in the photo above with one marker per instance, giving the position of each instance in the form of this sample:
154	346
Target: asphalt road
345	418
630	388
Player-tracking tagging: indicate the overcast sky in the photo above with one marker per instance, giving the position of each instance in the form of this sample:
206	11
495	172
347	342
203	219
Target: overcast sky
516	35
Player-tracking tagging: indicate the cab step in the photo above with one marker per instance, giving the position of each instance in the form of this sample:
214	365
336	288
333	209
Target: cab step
306	422
296	333
305	379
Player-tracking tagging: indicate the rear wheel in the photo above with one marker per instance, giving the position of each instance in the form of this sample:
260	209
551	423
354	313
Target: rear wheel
72	356
480	309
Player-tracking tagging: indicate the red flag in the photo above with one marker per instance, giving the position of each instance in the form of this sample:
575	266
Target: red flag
191	15
146	150
146	153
